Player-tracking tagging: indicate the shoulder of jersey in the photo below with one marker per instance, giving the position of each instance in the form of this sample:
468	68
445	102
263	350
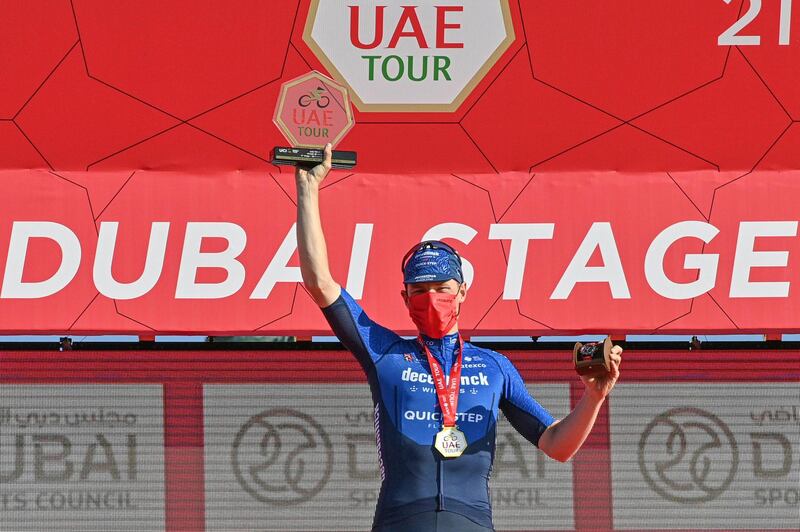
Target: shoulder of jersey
402	345
488	353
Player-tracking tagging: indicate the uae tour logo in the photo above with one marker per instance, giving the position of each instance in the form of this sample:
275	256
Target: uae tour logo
282	457
409	55
688	455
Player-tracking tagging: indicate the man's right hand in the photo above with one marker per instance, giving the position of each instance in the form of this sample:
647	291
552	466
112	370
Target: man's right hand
310	239
315	175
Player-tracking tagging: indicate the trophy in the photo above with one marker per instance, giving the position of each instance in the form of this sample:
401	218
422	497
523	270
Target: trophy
593	359
312	111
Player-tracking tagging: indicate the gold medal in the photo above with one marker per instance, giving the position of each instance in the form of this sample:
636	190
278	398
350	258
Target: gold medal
450	442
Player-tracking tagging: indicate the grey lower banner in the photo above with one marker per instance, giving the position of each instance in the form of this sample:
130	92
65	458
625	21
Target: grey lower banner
303	457
81	457
712	456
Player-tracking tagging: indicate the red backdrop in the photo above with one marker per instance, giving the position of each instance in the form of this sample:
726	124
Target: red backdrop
629	116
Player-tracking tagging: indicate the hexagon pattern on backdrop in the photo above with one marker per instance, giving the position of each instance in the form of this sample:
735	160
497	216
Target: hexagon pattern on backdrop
113	107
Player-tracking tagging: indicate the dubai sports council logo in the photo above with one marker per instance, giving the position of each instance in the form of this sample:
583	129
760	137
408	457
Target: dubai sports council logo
688	455
409	55
282	457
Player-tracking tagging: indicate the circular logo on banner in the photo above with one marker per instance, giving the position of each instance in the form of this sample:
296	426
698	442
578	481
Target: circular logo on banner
409	56
282	456
688	455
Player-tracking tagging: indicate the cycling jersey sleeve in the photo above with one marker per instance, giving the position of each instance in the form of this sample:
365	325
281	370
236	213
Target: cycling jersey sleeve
358	333
526	415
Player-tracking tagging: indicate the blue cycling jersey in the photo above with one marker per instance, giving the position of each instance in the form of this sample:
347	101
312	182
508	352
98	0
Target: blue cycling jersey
415	477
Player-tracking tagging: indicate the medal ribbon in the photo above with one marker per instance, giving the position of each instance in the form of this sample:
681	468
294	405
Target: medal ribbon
447	393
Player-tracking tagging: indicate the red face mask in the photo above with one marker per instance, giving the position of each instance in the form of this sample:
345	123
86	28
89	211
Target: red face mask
433	313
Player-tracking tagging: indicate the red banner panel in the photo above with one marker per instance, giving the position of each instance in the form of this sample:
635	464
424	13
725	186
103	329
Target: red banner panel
625	168
168	255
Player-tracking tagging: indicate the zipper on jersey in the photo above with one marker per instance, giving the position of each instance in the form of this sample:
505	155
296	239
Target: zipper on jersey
440	501
446	369
443	351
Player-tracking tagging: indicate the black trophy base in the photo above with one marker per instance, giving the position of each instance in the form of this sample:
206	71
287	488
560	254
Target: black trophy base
309	157
593	359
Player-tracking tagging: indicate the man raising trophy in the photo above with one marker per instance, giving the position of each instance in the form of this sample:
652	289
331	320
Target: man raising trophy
435	450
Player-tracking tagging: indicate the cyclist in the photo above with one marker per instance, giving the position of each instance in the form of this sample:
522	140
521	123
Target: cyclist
435	449
316	95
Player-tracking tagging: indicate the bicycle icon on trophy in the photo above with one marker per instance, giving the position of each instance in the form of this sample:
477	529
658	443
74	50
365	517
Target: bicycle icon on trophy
316	95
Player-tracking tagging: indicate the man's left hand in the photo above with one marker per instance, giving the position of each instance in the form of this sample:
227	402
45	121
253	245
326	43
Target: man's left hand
600	387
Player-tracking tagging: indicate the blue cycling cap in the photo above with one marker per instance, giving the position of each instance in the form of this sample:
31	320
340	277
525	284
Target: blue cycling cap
432	261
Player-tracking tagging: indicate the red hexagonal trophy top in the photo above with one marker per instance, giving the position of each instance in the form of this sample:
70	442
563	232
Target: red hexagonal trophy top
313	110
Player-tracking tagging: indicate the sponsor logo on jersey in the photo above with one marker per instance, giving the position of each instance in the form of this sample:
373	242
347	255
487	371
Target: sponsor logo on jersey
481	379
426	415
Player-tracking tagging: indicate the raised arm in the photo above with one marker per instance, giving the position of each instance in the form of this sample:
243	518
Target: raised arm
562	439
311	246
